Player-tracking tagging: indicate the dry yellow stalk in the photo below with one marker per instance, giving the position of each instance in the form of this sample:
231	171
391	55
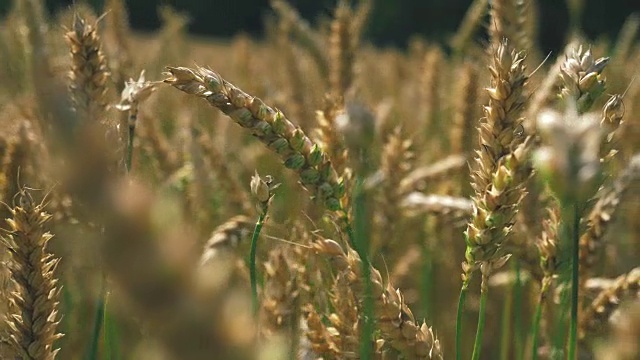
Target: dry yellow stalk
33	15
117	36
305	35
504	22
53	105
420	178
397	161
396	323
429	90
89	72
171	44
271	127
342	50
462	133
33	316
526	24
500	168
466	111
407	262
626	39
168	159
360	17
295	94
509	21
419	203
468	26
13	69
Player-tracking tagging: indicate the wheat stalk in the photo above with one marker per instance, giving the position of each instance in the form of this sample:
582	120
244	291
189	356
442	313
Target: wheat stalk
271	127
498	177
499	171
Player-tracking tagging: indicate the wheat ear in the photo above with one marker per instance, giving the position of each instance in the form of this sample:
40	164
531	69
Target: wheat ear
601	215
33	316
89	73
599	311
497	178
498	175
398	327
271	127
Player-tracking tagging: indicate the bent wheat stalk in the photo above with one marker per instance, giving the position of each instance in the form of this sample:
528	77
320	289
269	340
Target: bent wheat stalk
273	129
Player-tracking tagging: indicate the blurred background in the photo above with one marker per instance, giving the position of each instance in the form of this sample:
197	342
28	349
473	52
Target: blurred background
392	23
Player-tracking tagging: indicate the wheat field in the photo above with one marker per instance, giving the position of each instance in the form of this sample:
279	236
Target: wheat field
311	196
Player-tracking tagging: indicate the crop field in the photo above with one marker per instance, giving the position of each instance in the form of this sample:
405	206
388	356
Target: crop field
307	195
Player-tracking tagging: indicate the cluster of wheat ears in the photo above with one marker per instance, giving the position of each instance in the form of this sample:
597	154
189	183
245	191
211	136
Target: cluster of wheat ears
475	199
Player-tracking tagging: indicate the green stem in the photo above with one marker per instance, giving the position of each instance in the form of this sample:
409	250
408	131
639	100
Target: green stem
427	269
252	261
358	240
131	122
505	338
368	325
132	132
92	353
560	325
110	334
517	318
575	277
461	300
536	322
477	346
427	283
